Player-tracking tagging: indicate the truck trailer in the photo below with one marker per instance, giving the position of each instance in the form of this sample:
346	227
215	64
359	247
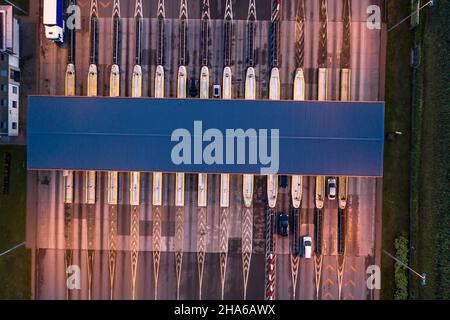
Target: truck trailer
53	19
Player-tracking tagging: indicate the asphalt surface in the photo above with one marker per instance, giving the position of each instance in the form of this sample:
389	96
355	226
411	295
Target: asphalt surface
57	231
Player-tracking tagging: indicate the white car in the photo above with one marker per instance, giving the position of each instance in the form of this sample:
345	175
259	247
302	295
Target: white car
331	188
307	247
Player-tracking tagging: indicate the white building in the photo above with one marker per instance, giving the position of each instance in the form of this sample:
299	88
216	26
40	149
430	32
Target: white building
9	72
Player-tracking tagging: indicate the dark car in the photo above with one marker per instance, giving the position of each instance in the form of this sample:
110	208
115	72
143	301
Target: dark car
283	181
282	224
216	91
193	90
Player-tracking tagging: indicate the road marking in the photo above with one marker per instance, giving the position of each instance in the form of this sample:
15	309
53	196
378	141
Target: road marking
340	260
68	232
116	8
328	295
105	4
247	244
179	234
91	256
351	282
112	248
178	266
223	247
134	247
138	9
317	273
350	297
294	273
161	9
345	51
94	9
201	246
300	34
82	3
323	50
156	245
90	245
270	256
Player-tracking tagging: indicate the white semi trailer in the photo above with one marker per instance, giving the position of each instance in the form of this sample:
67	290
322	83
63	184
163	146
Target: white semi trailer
53	19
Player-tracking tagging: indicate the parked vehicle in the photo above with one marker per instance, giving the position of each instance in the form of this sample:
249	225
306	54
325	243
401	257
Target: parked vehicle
307	247
53	19
331	188
282	224
283	181
193	90
216	91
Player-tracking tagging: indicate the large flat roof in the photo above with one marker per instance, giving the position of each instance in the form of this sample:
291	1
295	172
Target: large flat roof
134	134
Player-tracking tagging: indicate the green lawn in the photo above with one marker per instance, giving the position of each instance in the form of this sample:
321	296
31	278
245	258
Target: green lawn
23	4
396	159
432	236
15	267
430	160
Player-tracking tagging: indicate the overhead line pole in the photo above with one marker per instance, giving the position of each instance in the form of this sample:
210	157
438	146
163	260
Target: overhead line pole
12	249
410	15
16	7
422	276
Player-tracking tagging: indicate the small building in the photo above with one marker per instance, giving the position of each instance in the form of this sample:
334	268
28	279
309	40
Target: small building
9	72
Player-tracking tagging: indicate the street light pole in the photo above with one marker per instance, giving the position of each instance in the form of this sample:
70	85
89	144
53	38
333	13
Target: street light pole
12	249
423	276
412	13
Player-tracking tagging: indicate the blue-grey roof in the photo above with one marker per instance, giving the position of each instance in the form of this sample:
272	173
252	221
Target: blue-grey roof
134	134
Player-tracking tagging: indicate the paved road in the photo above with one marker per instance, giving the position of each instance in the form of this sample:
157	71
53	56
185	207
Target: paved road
52	225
